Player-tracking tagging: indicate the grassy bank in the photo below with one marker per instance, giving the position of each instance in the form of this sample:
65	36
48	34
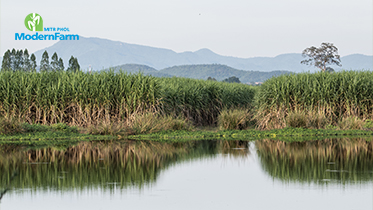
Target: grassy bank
286	134
14	132
119	104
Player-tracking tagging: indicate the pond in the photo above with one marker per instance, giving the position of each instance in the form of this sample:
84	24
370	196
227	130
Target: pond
262	174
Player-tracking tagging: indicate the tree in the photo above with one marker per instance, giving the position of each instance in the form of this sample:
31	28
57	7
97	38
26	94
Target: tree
6	63
73	64
232	80
76	64
211	78
26	61
13	58
60	65
19	61
33	62
320	57
54	62
330	70
44	63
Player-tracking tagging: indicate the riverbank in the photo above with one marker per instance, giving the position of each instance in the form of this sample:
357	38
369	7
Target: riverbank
286	134
120	105
61	133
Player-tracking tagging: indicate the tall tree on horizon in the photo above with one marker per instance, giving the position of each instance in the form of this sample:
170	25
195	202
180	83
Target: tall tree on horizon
13	58
60	65
321	57
26	61
54	62
6	63
33	62
18	61
44	63
73	64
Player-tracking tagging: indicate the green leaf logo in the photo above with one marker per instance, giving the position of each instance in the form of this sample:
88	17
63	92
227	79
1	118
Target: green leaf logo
34	22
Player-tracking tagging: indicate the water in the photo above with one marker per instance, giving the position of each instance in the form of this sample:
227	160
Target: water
266	174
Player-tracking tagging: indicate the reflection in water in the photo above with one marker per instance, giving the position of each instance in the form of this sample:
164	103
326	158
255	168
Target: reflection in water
110	165
331	160
105	165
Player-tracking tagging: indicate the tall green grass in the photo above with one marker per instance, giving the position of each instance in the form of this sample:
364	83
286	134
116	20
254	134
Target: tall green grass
337	95
75	98
201	100
83	99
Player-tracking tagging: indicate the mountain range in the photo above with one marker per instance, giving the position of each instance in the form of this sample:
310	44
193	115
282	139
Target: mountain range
201	71
104	53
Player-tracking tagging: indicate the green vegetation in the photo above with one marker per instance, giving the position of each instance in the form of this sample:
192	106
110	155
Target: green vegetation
107	101
326	54
201	101
232	80
19	60
287	134
316	100
14	132
234	119
74	98
119	104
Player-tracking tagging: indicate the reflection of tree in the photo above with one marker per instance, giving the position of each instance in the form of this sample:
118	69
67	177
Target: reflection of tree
343	160
99	164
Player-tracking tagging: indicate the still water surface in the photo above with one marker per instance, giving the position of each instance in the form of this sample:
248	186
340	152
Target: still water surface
265	174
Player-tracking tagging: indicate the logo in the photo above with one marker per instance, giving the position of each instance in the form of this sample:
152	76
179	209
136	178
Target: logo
34	22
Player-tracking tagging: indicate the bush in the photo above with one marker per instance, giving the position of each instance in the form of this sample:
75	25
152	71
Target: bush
234	119
368	124
316	120
296	120
9	126
145	123
351	123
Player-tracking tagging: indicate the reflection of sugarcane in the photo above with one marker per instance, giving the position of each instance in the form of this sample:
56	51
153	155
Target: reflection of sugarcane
342	160
107	164
8	186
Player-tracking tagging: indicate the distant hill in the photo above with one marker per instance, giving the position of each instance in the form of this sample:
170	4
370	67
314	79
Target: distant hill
135	68
357	61
103	53
220	72
202	71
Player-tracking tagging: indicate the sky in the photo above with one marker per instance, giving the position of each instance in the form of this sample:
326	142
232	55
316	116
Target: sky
239	28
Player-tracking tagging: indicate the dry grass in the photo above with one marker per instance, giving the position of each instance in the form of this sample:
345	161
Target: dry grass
9	126
352	122
234	119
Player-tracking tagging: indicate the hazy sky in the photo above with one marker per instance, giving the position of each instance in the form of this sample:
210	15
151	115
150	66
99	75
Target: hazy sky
240	28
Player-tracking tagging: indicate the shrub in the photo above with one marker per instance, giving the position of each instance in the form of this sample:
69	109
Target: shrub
145	123
368	124
296	119
351	123
316	120
234	119
9	126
